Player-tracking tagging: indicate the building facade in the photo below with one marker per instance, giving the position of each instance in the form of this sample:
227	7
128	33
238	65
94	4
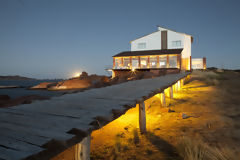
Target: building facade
199	63
164	49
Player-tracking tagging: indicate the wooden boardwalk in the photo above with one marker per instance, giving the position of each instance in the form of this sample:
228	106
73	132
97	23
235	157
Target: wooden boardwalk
43	129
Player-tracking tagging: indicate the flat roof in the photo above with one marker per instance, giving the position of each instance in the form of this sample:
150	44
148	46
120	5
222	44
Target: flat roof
149	52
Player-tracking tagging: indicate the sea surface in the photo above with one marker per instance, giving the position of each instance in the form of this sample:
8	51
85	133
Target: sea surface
23	91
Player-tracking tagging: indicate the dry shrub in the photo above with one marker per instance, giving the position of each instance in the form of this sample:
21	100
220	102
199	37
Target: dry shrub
210	78
118	145
196	149
135	136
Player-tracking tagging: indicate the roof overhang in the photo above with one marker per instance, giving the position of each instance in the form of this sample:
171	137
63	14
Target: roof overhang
149	52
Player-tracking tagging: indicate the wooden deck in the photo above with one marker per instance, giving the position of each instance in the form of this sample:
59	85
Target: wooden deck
43	129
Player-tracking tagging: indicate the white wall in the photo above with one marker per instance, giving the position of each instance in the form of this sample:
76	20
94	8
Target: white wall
186	53
153	42
174	36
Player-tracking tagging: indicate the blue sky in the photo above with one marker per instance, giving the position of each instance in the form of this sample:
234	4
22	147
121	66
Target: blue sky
56	38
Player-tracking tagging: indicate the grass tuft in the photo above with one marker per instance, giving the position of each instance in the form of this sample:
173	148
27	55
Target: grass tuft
196	149
136	139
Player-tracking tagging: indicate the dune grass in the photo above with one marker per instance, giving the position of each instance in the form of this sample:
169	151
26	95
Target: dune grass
196	149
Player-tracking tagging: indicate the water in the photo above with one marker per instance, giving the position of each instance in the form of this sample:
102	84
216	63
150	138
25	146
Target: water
19	92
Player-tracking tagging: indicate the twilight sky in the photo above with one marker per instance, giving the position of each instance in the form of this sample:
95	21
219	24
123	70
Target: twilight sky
56	38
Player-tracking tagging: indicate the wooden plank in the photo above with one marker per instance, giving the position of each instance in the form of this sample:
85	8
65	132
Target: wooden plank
21	136
20	145
10	154
43	121
53	125
36	132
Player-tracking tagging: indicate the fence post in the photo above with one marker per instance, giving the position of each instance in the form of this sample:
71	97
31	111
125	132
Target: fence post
82	149
142	117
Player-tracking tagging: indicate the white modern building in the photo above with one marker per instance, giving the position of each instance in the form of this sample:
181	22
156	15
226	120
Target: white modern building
162	50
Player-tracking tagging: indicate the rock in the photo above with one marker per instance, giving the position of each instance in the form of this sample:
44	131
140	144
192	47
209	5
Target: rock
72	84
184	116
83	75
170	110
44	85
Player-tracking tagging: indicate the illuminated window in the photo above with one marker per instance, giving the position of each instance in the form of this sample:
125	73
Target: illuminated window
176	43
141	45
126	63
135	63
173	61
144	62
118	63
162	61
153	61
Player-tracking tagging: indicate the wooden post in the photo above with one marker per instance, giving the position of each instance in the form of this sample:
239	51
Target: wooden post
178	61
122	62
190	68
182	82
204	63
113	74
148	62
176	87
139	62
168	61
171	92
142	118
82	149
130	62
163	100
179	84
113	62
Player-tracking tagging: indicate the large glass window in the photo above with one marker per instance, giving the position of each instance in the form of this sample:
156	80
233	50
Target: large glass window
118	63
173	61
126	63
162	61
135	63
144	62
153	61
141	45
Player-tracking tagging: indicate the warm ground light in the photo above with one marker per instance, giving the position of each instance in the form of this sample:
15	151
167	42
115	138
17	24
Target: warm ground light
210	105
